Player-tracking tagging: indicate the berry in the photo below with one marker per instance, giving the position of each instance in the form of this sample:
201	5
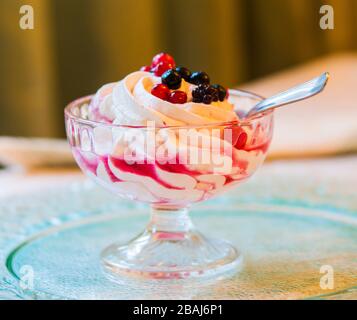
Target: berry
205	93
161	67
213	92
163	57
207	99
196	94
161	91
184	73
241	141
222	92
203	88
198	78
145	68
172	79
178	97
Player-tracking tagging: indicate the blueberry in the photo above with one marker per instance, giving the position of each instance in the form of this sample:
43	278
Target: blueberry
172	79
184	73
222	92
199	77
207	99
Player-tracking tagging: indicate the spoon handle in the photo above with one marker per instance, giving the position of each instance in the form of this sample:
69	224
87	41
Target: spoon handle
300	92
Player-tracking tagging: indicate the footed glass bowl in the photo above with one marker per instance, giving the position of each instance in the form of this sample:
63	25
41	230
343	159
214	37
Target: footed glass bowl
169	168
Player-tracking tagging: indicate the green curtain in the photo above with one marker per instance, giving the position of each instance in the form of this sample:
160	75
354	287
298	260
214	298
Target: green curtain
77	45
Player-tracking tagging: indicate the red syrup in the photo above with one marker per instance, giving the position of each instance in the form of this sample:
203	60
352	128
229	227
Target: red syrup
263	147
110	173
230	180
141	169
241	164
177	168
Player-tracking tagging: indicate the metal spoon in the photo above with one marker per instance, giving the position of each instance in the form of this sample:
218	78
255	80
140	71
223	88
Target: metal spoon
300	92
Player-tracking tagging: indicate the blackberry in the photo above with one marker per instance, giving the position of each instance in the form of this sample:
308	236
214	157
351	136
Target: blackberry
196	93
204	90
213	92
204	87
197	100
207	99
222	92
199	92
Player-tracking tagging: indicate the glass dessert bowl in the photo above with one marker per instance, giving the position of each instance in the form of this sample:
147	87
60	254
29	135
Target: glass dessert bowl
170	167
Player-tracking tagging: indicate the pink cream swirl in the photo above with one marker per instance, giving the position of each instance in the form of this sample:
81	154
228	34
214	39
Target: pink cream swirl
129	102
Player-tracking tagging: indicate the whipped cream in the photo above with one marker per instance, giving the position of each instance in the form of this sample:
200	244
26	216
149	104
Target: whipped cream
130	102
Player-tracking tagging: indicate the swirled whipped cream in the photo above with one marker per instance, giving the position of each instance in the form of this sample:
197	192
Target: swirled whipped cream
167	166
130	102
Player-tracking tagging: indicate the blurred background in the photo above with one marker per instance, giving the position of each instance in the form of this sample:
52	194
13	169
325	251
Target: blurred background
76	46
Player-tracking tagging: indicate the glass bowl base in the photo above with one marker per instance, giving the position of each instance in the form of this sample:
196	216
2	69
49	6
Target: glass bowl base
168	255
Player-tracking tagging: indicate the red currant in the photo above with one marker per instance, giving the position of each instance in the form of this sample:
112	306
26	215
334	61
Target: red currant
161	91
163	57
160	68
145	68
178	97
